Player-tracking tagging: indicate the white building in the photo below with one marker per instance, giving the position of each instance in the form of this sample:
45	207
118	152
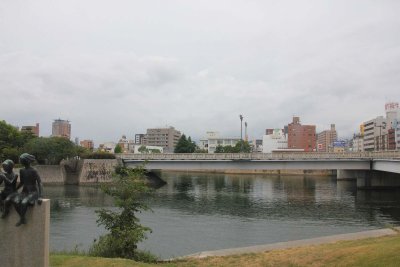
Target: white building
383	133
275	141
107	147
149	149
212	140
358	143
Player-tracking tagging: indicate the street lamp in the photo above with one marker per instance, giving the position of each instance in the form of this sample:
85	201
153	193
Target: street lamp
241	132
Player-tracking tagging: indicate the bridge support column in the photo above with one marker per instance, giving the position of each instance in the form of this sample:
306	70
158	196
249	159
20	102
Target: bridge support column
348	174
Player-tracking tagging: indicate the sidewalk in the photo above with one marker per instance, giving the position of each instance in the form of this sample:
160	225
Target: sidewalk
296	243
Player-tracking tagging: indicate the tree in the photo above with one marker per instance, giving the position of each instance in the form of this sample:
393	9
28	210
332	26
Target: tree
142	149
185	145
51	150
12	141
219	149
240	147
243	147
117	149
127	188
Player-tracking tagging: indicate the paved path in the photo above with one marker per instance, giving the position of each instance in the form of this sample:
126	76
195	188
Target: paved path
296	243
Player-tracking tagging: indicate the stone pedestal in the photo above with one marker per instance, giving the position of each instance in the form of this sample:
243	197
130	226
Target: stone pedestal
28	244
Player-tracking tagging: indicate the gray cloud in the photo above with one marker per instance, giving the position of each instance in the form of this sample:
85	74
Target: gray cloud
119	67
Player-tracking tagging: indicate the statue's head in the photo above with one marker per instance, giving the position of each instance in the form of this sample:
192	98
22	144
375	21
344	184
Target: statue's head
26	159
8	165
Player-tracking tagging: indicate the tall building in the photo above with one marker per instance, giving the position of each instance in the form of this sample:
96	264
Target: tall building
167	138
325	139
61	128
87	144
301	136
32	129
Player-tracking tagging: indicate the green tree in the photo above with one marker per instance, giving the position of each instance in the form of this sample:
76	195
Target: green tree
185	145
191	145
117	149
143	149
243	146
127	188
51	150
12	141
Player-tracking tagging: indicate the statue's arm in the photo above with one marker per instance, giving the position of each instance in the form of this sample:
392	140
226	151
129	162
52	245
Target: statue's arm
1	178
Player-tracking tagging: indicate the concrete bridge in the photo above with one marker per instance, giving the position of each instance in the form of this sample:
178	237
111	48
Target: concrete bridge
371	169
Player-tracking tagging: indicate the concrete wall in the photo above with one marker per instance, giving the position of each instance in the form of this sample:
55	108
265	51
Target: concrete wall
97	170
28	244
51	174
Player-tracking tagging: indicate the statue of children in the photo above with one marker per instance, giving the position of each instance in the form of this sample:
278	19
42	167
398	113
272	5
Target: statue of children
32	187
10	186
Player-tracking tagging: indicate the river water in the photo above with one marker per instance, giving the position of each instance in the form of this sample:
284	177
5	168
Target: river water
196	212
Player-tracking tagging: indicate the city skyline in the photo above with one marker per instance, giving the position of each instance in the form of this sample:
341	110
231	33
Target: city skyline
120	67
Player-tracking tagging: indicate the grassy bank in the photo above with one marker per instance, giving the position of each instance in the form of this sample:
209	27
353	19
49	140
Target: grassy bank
383	251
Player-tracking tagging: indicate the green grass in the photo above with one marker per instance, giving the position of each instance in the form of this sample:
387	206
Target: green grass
383	251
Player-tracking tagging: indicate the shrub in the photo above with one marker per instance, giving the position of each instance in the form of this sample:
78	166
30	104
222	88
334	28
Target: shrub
127	189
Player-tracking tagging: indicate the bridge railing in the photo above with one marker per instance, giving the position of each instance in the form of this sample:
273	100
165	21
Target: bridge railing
263	156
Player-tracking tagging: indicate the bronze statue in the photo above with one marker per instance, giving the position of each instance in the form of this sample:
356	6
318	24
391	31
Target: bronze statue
32	187
9	193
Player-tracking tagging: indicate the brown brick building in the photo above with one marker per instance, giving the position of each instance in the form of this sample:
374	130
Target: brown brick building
301	136
87	144
31	129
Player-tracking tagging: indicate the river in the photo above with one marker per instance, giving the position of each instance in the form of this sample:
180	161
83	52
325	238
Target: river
205	211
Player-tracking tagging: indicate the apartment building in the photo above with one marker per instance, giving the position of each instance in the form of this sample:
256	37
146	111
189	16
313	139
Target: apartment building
375	134
325	139
167	138
301	136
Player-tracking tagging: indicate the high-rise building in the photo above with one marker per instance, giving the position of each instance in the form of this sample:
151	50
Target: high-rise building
325	139
32	129
61	128
163	137
301	136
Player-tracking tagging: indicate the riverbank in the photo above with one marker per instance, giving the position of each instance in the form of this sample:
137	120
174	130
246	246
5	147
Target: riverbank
370	251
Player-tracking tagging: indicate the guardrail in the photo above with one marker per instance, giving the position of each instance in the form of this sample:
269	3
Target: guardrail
264	156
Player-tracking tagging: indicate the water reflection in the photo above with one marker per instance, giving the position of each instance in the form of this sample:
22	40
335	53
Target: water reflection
196	211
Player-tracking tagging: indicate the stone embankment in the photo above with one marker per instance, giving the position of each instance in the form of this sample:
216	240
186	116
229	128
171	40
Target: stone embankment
92	171
87	171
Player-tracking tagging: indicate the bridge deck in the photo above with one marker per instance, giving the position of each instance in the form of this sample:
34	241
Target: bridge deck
385	161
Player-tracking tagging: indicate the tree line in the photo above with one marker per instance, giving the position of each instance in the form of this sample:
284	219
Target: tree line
47	150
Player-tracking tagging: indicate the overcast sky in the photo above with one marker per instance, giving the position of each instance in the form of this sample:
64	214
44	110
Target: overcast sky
121	66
